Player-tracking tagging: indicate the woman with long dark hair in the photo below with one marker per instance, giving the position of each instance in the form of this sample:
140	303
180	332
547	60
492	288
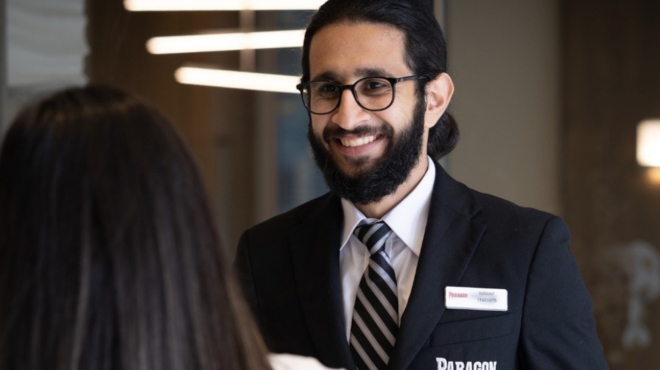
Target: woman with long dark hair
109	254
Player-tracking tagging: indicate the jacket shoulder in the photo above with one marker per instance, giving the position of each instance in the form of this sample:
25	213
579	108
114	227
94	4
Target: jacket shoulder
503	213
486	208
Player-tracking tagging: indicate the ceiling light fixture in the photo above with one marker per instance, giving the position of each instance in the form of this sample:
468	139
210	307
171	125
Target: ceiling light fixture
197	5
237	80
225	42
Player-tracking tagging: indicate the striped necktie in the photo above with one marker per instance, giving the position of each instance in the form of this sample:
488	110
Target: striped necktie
376	313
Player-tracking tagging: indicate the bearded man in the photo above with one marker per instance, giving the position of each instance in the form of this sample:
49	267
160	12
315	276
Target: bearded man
400	266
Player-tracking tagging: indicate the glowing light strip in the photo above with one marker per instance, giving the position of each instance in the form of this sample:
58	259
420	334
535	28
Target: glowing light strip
237	80
648	143
226	41
193	5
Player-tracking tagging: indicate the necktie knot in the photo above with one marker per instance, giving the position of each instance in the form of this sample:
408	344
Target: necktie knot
373	236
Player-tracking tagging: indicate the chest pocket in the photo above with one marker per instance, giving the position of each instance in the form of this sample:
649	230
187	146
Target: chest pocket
472	330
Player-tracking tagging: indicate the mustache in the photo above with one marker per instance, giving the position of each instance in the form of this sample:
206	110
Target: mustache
336	132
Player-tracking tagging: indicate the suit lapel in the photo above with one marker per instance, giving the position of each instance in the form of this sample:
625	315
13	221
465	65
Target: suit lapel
315	257
450	239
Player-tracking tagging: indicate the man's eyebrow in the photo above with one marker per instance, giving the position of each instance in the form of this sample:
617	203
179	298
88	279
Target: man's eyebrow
359	73
326	76
372	72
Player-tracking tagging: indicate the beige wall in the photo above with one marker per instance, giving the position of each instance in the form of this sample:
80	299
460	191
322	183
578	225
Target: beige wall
504	60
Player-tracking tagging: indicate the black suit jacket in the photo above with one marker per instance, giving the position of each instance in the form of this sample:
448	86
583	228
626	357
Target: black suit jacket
289	269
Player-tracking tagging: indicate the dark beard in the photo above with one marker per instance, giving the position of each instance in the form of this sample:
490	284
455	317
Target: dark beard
387	173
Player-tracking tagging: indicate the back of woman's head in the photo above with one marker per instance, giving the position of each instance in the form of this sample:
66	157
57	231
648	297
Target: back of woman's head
109	256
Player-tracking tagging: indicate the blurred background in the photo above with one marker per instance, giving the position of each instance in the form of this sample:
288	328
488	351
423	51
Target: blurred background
549	97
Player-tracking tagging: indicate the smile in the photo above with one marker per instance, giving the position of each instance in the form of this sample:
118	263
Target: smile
357	142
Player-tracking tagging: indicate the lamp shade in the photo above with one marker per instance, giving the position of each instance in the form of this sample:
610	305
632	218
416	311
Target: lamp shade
648	143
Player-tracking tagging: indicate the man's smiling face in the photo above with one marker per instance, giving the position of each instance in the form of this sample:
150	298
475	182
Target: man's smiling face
365	155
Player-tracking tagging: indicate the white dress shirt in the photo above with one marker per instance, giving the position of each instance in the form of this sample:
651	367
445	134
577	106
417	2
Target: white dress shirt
408	222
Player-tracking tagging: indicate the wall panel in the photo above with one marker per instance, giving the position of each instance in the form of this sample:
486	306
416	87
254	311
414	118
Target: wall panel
611	82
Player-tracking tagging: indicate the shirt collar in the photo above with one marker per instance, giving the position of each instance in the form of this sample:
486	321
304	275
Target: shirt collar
407	219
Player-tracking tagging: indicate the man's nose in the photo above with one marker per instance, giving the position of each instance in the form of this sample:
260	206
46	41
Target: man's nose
349	114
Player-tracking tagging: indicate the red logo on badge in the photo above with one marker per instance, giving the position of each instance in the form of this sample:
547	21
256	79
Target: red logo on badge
457	295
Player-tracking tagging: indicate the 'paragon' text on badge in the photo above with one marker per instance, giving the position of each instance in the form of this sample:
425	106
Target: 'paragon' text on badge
443	364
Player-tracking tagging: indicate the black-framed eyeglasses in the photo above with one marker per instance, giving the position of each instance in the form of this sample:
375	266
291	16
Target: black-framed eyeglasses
371	93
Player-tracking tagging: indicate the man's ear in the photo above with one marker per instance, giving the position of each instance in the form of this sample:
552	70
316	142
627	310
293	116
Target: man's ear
438	95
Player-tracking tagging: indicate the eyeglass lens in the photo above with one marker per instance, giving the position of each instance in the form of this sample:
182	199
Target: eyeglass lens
371	93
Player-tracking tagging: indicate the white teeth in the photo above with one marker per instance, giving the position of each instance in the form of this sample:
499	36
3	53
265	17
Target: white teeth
357	142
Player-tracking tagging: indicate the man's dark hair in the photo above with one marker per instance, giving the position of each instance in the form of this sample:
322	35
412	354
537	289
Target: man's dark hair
426	51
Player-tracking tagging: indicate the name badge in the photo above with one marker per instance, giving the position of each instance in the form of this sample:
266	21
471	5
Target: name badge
482	299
